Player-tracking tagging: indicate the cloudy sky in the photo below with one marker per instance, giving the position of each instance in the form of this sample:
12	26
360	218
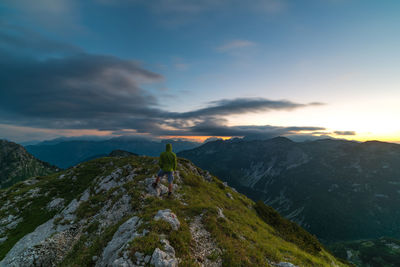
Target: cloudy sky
197	69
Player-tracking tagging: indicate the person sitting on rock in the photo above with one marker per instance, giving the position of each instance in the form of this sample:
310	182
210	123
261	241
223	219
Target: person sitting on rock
167	164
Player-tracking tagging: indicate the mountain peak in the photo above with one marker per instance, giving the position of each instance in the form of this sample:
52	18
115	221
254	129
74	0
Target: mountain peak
16	164
105	212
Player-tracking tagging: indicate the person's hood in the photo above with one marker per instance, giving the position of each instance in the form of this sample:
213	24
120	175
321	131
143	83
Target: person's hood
168	147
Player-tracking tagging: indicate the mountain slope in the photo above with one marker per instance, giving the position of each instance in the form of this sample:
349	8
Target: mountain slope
105	212
16	164
376	252
65	154
337	190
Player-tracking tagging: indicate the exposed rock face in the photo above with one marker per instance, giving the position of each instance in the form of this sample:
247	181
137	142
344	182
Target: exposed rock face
55	204
169	217
163	259
125	233
49	243
16	164
32	247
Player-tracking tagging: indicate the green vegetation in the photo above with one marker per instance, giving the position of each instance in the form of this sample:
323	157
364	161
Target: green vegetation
380	252
288	230
248	234
16	164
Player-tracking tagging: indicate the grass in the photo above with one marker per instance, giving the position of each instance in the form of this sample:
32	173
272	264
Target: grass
250	235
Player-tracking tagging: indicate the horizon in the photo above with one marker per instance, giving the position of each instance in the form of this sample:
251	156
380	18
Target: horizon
200	141
196	70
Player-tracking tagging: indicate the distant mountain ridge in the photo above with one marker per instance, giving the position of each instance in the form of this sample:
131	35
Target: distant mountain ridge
336	189
69	153
16	164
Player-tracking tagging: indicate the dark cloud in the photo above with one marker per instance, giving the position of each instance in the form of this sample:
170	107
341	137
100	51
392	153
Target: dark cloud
242	105
59	86
78	91
344	132
214	128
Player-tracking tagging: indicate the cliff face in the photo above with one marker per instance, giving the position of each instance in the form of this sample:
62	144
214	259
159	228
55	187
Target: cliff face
106	213
16	164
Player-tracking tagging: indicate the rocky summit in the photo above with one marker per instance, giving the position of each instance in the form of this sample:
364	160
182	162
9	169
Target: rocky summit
16	164
105	212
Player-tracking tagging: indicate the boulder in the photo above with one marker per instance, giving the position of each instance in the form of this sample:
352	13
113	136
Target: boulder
163	259
169	217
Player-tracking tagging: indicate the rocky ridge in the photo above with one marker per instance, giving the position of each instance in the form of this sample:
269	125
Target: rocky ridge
106	213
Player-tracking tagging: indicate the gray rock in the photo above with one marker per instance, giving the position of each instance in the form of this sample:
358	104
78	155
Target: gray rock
23	252
285	264
167	247
163	259
169	217
15	255
110	181
14	223
85	196
220	213
147	258
158	191
34	192
229	195
69	212
121	262
3	239
8	219
139	255
112	213
125	233
55	204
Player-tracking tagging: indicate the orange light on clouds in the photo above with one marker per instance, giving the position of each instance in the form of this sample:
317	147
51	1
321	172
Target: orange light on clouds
195	138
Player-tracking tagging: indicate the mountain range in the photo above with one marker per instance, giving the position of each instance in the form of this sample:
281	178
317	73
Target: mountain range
338	190
65	154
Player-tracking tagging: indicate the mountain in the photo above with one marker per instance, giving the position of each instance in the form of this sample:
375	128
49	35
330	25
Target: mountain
65	154
105	212
16	164
380	252
338	190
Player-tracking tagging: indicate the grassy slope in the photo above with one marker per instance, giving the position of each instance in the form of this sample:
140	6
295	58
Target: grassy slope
244	237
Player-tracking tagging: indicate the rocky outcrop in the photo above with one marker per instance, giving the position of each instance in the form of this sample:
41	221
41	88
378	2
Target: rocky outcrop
125	233
169	217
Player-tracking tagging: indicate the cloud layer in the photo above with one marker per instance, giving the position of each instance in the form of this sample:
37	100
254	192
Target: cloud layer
59	86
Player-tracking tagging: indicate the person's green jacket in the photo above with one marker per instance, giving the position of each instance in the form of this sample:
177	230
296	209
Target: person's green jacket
167	160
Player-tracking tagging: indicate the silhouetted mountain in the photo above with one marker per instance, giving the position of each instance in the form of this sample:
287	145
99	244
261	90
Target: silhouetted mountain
16	164
69	153
336	189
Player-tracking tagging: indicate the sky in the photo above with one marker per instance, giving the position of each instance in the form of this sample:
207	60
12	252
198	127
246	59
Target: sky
200	69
